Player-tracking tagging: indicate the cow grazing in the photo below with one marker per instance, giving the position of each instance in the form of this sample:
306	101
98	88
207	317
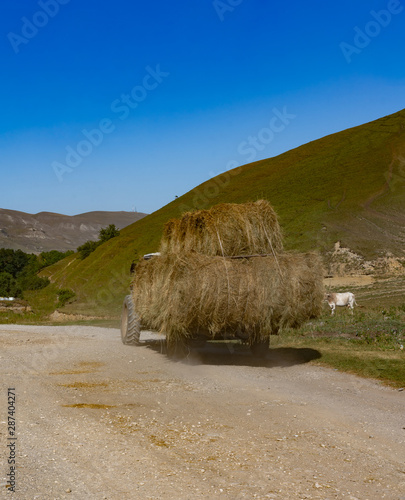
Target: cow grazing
340	299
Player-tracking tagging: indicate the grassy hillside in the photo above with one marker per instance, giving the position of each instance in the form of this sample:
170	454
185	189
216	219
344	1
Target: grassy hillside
347	186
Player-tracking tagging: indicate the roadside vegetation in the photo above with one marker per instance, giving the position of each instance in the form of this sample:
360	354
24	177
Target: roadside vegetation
370	342
19	270
26	277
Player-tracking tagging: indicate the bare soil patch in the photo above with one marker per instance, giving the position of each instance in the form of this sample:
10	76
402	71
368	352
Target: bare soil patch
349	281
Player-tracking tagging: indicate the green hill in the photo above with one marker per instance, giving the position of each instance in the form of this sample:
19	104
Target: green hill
347	186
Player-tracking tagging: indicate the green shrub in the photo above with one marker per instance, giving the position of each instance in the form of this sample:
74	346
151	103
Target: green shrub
9	286
87	248
65	295
32	282
48	258
107	233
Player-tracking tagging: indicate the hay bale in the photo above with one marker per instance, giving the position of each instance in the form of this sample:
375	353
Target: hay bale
225	229
193	294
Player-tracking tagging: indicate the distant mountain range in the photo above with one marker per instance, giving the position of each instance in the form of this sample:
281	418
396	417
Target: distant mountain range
35	233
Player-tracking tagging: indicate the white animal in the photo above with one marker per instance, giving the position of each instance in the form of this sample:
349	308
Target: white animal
340	299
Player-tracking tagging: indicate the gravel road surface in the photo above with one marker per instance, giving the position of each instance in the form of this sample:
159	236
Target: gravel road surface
99	420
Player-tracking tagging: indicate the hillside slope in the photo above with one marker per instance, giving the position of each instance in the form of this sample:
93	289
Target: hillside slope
49	231
345	187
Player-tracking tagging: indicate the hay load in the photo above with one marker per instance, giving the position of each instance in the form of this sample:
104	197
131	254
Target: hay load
225	229
196	295
206	284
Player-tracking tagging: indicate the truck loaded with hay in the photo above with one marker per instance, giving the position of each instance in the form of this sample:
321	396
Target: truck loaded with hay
222	274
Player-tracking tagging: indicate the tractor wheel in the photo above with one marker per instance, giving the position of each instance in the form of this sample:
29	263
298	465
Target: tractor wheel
130	324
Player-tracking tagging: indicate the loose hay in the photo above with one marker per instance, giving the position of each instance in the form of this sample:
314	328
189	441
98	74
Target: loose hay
192	294
225	229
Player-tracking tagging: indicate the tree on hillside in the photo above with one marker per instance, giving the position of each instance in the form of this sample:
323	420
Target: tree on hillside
18	270
13	261
107	233
8	285
87	248
30	281
48	258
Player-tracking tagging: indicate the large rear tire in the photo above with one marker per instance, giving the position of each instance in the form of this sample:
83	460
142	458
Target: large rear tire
130	324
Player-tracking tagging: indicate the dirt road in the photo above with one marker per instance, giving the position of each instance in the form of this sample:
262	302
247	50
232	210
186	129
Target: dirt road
99	420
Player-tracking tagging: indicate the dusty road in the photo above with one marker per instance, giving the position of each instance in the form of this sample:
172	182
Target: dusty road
99	420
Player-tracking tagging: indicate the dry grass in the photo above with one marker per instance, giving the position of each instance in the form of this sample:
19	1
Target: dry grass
197	288
194	294
226	229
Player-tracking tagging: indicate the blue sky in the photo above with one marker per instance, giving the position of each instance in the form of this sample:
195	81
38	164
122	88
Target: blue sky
126	104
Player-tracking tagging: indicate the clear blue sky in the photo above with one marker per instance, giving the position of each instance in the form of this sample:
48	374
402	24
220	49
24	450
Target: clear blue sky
171	93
